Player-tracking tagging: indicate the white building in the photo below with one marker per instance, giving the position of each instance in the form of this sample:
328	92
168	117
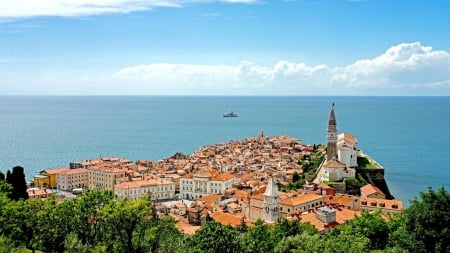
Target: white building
336	171
346	149
157	189
194	186
72	179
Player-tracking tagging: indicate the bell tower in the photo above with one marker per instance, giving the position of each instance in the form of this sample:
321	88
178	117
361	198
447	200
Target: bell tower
332	137
271	202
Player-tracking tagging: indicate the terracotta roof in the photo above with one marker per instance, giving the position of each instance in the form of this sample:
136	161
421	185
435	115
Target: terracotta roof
209	199
223	177
347	137
341	200
142	183
298	200
369	189
334	164
312	219
258	196
343	215
389	204
55	170
229	219
73	171
38	193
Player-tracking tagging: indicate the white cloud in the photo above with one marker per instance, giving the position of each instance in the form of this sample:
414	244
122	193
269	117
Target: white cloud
407	67
77	8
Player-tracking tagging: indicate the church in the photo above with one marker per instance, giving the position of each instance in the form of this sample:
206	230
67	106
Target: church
341	158
268	204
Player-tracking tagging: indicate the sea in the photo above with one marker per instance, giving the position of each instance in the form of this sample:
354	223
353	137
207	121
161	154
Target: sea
409	136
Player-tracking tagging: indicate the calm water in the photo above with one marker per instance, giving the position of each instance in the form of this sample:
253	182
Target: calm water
408	135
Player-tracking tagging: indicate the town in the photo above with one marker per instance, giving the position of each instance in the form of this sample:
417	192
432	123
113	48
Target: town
239	182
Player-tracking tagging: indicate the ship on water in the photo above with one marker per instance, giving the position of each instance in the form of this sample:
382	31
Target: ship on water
231	114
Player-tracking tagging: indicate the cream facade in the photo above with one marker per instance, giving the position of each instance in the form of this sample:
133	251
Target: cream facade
302	202
104	178
194	186
157	189
71	179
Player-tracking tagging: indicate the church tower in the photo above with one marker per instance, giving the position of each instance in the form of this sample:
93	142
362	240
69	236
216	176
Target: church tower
271	202
332	137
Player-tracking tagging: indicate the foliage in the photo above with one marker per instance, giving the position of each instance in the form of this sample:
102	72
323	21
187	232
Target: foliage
370	225
214	237
365	163
424	225
18	182
352	184
96	222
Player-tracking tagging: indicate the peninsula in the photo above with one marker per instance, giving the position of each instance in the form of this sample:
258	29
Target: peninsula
258	178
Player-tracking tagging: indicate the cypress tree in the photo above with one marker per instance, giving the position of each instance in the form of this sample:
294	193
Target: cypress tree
18	183
8	177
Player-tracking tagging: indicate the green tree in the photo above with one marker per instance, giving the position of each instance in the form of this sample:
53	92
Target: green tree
85	219
124	224
55	223
284	228
163	236
214	237
258	238
2	176
424	225
72	244
7	246
370	225
19	221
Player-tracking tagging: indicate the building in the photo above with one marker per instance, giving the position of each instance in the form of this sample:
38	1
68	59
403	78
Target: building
39	193
262	203
346	148
336	171
300	203
72	179
157	189
271	202
48	178
385	205
332	137
104	178
193	186
371	191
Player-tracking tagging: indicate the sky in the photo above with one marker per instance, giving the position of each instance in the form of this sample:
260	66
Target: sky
225	47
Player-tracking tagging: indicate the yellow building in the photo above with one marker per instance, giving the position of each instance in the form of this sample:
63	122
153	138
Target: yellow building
48	178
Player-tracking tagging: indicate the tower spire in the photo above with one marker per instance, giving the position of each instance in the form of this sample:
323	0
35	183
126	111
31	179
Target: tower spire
332	136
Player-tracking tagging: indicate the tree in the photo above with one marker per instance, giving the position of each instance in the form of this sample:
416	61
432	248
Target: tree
124	224
22	225
370	225
214	237
2	176
424	225
17	180
258	238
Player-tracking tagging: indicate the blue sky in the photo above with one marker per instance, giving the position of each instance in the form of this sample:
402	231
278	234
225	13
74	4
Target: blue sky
230	47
